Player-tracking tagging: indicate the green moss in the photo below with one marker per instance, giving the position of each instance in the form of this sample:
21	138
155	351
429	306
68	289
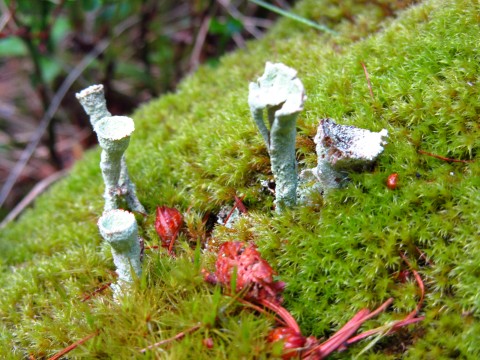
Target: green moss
199	147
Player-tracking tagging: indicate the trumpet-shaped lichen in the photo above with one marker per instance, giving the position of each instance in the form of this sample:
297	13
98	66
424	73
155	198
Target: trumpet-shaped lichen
112	136
119	228
281	94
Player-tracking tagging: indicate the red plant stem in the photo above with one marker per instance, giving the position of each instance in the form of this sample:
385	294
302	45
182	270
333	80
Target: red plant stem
73	346
283	313
444	158
423	256
368	80
170	246
422	294
95	292
176	337
230	214
359	318
380	309
420	285
260	310
240	205
327	347
151	247
397	325
341	336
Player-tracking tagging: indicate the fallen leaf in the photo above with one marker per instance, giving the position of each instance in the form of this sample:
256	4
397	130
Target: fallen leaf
167	225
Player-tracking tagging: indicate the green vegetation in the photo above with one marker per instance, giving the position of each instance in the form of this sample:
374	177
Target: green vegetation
199	147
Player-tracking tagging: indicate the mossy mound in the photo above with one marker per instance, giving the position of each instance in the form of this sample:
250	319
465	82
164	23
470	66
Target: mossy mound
198	148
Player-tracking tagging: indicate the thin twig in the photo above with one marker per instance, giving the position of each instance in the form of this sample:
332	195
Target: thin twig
96	291
176	337
237	15
73	346
199	42
39	188
240	205
423	256
368	80
444	158
55	104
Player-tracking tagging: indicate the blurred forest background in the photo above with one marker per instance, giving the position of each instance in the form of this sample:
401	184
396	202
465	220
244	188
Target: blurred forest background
139	49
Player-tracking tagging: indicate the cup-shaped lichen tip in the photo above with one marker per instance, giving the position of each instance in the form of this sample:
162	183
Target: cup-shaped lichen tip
91	90
278	85
111	129
117	227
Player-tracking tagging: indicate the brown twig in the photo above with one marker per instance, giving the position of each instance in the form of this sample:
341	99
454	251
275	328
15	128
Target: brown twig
73	346
238	205
199	42
96	291
241	207
368	80
39	188
176	337
444	158
423	256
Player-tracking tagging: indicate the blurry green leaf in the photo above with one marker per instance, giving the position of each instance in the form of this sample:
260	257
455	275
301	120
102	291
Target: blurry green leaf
50	69
12	46
90	5
225	28
60	29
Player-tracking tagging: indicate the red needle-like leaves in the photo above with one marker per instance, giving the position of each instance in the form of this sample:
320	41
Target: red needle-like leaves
253	273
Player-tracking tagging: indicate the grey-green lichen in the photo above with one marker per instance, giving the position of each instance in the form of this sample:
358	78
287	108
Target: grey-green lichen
280	93
112	136
341	149
119	228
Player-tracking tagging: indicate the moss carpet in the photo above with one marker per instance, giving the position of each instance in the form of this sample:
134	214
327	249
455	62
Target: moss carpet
198	148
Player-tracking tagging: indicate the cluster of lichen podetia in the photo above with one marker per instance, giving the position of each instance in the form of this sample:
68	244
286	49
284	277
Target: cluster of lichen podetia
340	148
280	94
118	227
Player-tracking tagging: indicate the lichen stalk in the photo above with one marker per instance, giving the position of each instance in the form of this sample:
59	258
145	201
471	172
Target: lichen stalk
281	94
119	228
113	136
93	101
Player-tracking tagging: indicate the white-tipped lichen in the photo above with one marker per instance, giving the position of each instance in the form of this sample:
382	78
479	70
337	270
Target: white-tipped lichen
119	228
93	101
280	94
340	150
111	135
